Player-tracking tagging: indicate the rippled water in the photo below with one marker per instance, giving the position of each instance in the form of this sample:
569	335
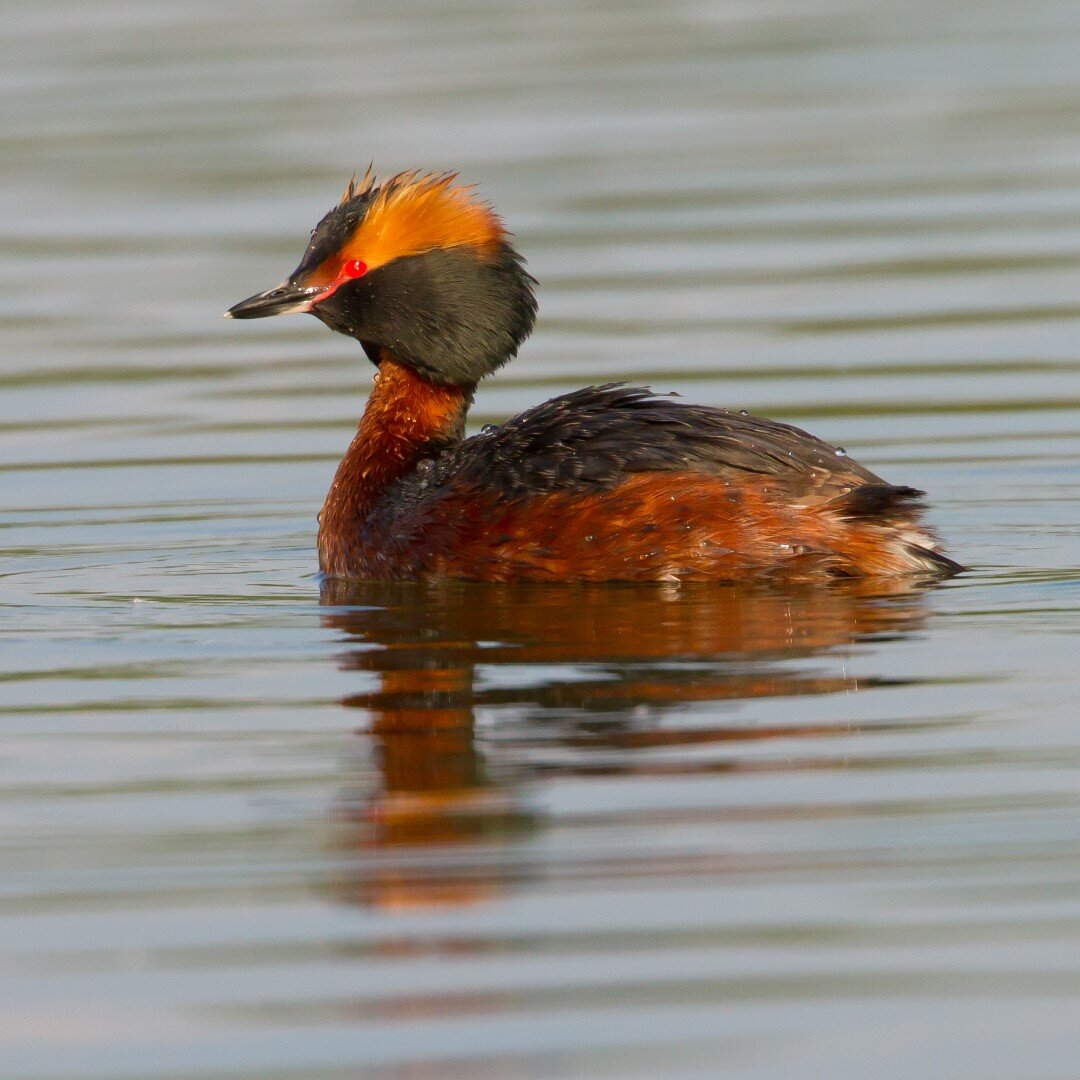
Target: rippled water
417	831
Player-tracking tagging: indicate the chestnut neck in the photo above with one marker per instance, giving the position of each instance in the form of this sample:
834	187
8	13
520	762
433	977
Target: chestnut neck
407	418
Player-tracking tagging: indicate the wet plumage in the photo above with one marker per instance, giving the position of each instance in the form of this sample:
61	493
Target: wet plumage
606	483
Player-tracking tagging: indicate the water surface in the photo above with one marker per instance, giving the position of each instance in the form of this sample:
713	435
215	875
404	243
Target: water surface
255	829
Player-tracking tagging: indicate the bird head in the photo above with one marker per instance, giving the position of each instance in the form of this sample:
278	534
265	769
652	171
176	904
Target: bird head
417	266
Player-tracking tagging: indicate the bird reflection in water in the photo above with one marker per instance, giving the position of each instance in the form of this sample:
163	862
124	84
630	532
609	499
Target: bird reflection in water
584	680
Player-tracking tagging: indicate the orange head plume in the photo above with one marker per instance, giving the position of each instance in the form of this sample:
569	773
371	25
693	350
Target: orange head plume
409	214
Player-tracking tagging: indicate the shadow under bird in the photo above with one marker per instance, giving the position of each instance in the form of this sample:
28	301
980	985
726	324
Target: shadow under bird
606	483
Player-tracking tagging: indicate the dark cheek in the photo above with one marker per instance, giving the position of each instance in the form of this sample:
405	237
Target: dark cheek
335	320
340	313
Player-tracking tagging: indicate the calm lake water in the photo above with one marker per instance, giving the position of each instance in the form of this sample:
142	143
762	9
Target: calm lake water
249	831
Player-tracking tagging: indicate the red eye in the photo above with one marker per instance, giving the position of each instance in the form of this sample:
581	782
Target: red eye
354	268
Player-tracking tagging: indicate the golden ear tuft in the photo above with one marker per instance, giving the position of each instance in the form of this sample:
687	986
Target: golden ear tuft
415	212
352	189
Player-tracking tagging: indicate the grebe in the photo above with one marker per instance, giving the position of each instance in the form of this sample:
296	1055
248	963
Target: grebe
603	484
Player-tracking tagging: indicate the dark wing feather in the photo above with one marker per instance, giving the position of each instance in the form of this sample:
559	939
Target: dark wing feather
592	439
